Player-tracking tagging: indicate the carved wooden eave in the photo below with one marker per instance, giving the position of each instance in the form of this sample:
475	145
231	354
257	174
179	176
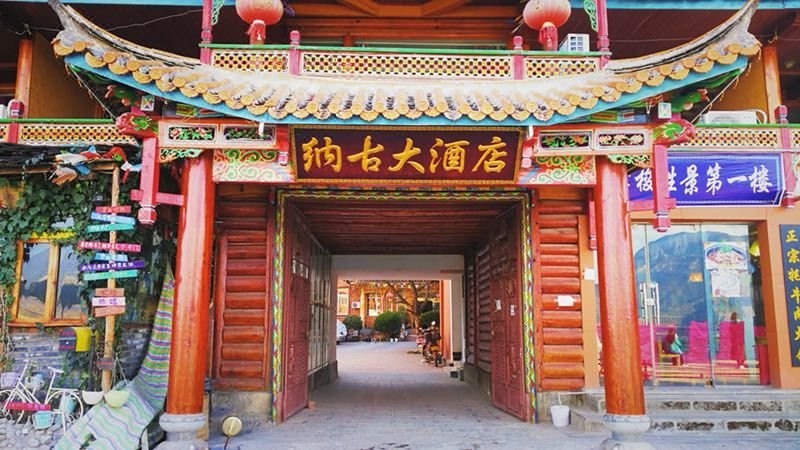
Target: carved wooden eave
285	98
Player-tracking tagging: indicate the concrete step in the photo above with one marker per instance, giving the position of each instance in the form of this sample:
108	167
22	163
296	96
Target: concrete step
785	401
586	420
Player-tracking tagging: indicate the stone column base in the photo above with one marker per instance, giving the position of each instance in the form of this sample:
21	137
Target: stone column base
626	432
182	431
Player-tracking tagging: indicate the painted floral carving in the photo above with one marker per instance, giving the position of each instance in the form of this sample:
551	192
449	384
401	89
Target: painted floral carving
621	139
565	140
249	134
192	133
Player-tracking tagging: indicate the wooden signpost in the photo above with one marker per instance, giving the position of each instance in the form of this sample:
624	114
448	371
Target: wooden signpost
117	209
115	246
106	292
122	265
108	301
109	312
112	275
100	256
113	218
109	227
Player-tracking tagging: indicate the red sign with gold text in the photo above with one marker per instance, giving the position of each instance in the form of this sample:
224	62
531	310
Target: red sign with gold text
407	155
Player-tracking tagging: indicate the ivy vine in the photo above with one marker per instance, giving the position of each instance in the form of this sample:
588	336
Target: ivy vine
44	208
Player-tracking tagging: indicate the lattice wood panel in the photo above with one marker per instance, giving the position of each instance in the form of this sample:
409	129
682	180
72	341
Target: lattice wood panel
252	60
412	66
735	138
66	134
558	67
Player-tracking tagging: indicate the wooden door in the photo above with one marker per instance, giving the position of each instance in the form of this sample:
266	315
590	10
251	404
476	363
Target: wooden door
508	374
297	307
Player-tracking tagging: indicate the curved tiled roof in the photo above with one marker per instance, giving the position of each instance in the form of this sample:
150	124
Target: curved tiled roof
280	96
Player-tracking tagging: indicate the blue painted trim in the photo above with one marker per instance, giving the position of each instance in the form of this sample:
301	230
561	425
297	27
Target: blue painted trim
668	85
577	4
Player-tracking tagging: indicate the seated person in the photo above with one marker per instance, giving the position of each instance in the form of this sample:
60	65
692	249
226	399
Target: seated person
671	345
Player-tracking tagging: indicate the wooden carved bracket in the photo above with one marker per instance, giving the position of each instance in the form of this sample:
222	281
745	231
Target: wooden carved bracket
145	128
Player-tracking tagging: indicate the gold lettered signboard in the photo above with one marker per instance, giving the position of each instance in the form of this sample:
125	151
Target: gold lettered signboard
790	245
406	155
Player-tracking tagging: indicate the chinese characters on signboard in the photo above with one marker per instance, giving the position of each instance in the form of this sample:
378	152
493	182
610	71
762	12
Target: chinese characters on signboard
790	246
407	155
704	179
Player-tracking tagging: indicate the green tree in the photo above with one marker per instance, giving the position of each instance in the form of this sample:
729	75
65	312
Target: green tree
353	322
389	323
425	319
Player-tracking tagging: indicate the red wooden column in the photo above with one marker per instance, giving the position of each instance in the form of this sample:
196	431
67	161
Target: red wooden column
189	351
618	311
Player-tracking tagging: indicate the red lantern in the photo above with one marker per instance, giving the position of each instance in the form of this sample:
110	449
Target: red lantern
546	16
259	14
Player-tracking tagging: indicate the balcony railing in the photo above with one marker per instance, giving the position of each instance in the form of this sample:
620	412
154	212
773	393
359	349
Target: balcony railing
62	132
360	62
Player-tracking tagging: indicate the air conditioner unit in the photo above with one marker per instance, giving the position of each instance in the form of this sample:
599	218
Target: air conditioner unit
749	116
575	42
355	305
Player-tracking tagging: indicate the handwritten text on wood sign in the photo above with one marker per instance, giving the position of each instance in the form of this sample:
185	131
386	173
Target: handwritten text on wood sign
96	267
109	227
119	246
108	301
113	218
121	209
133	273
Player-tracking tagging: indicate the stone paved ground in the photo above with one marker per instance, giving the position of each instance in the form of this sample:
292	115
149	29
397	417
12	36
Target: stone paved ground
386	398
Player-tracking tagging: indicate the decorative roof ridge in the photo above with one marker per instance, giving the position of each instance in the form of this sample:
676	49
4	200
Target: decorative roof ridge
278	97
76	24
735	25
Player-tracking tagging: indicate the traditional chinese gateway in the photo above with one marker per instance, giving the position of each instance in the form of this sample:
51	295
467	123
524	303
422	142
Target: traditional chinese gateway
541	185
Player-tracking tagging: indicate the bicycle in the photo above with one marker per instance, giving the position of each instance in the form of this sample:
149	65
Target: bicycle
20	402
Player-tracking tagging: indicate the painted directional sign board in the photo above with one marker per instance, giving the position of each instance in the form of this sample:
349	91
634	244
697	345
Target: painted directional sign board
133	273
118	246
109	227
96	267
113	218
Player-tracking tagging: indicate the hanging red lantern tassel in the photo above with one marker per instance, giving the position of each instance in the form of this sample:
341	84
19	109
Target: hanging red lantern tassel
546	16
259	14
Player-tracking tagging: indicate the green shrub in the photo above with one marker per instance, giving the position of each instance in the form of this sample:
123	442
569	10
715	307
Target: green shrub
389	323
425	319
353	322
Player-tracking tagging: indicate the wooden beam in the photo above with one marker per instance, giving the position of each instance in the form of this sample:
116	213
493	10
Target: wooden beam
350	8
435	7
24	73
367	6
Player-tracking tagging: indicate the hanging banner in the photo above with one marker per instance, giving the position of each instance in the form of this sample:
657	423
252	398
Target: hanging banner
99	256
109	227
407	155
122	209
119	246
790	246
113	218
707	179
96	267
113	274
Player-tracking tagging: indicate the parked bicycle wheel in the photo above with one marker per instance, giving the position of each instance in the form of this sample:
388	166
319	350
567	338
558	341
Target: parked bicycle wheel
66	406
15	415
